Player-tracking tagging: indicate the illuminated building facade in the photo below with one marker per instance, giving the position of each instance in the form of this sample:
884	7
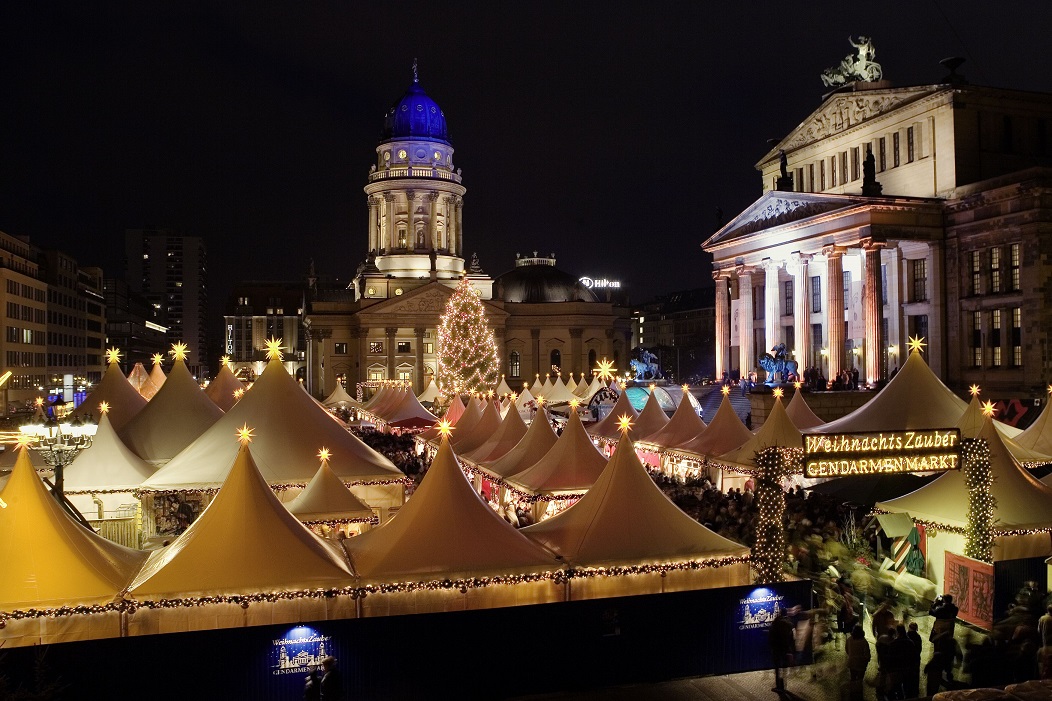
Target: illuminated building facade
257	311
945	237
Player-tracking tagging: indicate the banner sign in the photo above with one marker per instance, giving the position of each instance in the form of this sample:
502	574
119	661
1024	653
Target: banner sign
843	454
971	583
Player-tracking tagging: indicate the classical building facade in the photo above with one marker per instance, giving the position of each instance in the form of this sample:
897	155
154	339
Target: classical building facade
897	212
383	325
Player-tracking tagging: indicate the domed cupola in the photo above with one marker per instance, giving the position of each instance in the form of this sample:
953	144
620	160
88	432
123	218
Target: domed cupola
415	117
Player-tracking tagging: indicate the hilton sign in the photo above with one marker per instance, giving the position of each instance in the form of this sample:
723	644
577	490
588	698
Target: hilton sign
839	455
600	283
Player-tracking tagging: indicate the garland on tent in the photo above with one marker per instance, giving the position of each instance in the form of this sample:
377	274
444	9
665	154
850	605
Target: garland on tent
280	487
978	477
768	554
467	354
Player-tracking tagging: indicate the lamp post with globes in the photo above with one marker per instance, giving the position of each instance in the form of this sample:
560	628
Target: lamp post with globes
59	444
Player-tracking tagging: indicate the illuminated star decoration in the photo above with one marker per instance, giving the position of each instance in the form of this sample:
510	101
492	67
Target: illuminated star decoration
988	409
113	355
445	428
239	393
274	349
652	386
244	434
974	390
1050	389
540	400
916	343
104	407
574	403
797	385
39	401
684	387
225	360
179	351
777	393
158	358
25	440
323	454
624	423
513	397
605	370
726	390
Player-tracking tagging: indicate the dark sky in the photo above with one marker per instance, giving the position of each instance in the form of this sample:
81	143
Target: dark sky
606	135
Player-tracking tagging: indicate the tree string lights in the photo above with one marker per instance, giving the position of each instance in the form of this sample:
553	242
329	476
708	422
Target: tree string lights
768	554
978	477
467	354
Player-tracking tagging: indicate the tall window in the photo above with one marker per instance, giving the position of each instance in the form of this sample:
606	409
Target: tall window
811	177
920	280
976	265
895	150
816	336
790	338
884	285
514	364
882	159
816	294
788	295
995	338
832	172
847	289
822	173
556	358
843	167
909	145
591	359
995	269
977	339
1017	337
854	163
1013	267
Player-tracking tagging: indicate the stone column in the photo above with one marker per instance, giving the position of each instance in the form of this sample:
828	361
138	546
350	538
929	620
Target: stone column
937	313
746	352
354	373
892	257
308	336
772	304
374	203
834	309
723	324
320	356
460	226
390	231
410	225
801	310
391	332
873	309
451	224
576	361
419	348
535	336
432	198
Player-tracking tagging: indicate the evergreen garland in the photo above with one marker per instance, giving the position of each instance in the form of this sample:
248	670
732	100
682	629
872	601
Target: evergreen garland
979	479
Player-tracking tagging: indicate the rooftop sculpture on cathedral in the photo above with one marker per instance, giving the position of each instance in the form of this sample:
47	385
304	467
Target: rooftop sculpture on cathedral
858	67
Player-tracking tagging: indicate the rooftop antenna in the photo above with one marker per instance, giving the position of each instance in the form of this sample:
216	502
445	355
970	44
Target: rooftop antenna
416	76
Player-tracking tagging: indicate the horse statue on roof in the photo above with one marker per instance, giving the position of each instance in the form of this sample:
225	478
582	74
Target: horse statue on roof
778	365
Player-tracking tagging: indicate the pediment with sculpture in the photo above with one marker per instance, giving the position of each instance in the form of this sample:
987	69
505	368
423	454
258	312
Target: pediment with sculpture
777	208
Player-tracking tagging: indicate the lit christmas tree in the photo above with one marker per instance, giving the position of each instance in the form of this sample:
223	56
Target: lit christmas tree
467	355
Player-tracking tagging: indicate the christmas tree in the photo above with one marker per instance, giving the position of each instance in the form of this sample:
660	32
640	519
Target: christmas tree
467	355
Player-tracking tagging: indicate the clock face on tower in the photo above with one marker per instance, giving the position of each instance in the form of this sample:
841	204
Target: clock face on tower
438	156
401	153
387	155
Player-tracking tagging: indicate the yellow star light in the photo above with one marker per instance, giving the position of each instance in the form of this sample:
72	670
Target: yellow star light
684	387
916	343
274	349
445	428
513	396
1050	389
324	454
113	355
726	390
652	386
39	401
490	394
225	360
777	393
158	358
605	370
624	423
540	400
239	393
104	407
974	390
179	351
989	409
797	385
25	440
244	434
575	403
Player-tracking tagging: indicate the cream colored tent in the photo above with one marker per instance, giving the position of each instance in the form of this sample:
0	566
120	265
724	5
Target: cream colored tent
221	390
246	541
157	376
108	469
172	420
452	416
538	440
480	432
559	393
445	531
140	380
523	399
430	394
465	423
385	400
1022	503
511	431
537	388
588	392
548	386
1038	436
340	398
685	425
607	428
972	422
571	384
651	420
724	433
568	469
800	414
48	558
115	390
503	389
777	431
327	500
409	413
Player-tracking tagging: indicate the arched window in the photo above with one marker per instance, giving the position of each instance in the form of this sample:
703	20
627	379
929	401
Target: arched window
556	358
402	242
591	359
514	364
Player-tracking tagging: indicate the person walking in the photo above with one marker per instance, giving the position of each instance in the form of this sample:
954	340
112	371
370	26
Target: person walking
331	682
858	657
945	613
911	683
782	640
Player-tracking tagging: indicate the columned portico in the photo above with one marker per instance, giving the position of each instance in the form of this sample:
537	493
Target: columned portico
798	266
746	353
772	309
834	309
723	325
874	312
389	346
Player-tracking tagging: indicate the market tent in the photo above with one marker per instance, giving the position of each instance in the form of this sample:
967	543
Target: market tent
523	399
1038	436
430	394
446	530
115	390
914	398
107	466
246	541
685	425
503	389
538	440
327	499
511	431
9	457
221	390
172	420
559	393
140	380
464	425
548	386
800	414
453	414
538	387
157	376
571	466
386	400
571	384
410	413
587	394
724	433
625	517
972	421
480	432
608	427
777	431
340	398
651	420
48	558
290	429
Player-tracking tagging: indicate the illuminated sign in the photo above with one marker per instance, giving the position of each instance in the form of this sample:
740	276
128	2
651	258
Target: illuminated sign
298	651
842	454
759	608
600	283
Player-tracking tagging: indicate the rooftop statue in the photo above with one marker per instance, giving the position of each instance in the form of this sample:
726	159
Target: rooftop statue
860	67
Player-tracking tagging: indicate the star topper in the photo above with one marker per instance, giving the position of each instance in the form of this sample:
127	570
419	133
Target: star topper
179	351
684	387
274	349
225	360
323	454
239	393
575	402
113	355
624	423
158	359
540	400
513	396
25	440
244	434
777	392
989	409
797	385
974	390
39	401
104	407
605	370
916	343
726	390
445	428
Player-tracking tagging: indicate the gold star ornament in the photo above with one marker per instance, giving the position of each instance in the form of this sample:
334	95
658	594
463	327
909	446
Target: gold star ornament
605	370
725	390
113	355
104	407
916	343
777	393
274	349
179	351
624	423
158	358
244	434
445	428
974	390
989	409
323	454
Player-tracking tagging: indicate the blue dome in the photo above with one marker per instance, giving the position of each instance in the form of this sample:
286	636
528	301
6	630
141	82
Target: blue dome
415	116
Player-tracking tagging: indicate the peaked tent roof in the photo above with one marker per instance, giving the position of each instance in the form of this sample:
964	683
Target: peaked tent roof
453	413
626	517
652	419
587	392
1038	436
778	430
800	413
724	433
157	376
538	440
290	429
465	422
48	558
537	387
523	399
430	393
172	420
559	393
571	384
1022	501
549	386
386	399
914	398
607	427
115	390
245	541
107	465
480	432
685	425
573	464
221	389
326	498
445	530
339	398
972	421
410	412
140	380
511	431
502	387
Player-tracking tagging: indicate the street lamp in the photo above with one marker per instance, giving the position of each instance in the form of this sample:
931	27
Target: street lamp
59	444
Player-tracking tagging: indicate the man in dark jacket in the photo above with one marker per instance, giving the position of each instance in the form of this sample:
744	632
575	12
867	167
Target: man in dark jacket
945	612
782	639
331	682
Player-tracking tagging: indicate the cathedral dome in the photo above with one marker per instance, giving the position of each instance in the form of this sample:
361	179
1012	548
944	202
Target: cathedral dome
537	280
415	117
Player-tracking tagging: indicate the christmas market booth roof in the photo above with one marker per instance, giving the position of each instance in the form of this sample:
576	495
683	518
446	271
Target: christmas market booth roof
1038	436
177	415
538	387
625	517
586	392
608	427
503	389
107	466
115	390
560	393
651	419
290	429
972	421
571	466
511	431
538	440
480	432
327	499
684	426
571	384
777	431
410	413
465	423
221	390
725	433
245	542
157	376
339	398
48	558
445	531
800	413
430	394
140	380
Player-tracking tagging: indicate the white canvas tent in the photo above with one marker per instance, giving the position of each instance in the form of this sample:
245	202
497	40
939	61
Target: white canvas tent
452	416
972	422
607	428
503	389
684	426
140	380
327	500
115	390
724	433
430	394
221	390
589	391
108	469
340	399
800	413
157	376
480	432
538	440
571	384
651	420
548	386
1038	436
409	413
559	393
567	470
777	431
537	388
511	431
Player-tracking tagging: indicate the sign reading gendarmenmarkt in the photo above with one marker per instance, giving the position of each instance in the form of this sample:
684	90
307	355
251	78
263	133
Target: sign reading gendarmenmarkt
843	454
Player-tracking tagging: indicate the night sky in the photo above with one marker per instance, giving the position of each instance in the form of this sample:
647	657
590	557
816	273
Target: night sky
607	136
